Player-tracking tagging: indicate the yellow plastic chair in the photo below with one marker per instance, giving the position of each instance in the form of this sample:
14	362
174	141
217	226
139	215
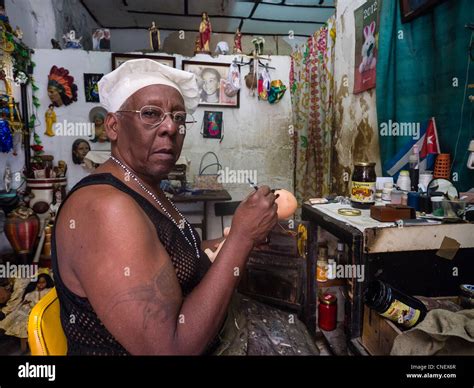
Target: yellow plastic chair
45	333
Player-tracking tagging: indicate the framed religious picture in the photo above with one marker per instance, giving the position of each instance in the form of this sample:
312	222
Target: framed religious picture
212	125
366	41
411	9
118	59
213	83
91	90
101	39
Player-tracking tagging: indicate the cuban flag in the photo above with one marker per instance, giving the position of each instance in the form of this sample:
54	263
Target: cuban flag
428	144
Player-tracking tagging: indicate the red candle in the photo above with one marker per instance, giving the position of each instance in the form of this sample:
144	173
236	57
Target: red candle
327	312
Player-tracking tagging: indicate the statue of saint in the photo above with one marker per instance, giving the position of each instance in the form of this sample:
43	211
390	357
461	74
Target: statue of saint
238	42
155	42
50	119
205	31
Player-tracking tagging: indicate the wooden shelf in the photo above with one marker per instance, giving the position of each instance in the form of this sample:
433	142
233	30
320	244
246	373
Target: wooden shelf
332	283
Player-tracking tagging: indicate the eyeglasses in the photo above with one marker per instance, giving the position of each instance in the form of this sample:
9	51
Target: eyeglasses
153	116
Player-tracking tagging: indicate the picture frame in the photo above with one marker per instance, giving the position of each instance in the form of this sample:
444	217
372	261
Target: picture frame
213	125
411	9
212	87
101	39
91	90
118	59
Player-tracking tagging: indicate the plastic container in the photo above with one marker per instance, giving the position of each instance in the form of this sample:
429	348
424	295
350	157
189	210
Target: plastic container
403	181
437	206
393	304
453	209
396	197
327	312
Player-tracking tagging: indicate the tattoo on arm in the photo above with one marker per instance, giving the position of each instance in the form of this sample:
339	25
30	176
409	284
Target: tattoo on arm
159	297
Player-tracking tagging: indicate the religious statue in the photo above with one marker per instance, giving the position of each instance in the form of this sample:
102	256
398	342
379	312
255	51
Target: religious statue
80	148
238	42
7	179
71	41
258	42
155	41
50	119
205	31
197	44
18	33
97	116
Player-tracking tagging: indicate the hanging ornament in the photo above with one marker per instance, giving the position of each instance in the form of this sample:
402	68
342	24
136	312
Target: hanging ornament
21	79
7	67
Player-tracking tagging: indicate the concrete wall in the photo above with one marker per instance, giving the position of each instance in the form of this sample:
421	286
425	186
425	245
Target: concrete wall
356	131
42	20
36	18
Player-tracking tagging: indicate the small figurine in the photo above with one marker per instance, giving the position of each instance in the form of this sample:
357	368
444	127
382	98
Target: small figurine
50	119
155	42
205	30
222	48
54	207
62	169
55	44
97	116
71	41
238	42
18	33
258	43
8	179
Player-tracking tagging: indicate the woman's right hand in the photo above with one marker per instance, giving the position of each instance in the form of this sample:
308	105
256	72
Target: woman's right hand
255	216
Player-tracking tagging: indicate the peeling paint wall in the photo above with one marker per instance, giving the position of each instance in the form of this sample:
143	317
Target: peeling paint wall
355	121
36	19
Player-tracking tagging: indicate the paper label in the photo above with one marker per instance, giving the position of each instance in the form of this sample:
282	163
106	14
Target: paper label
402	314
363	192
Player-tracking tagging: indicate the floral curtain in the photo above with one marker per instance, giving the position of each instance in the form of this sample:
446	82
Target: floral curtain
312	94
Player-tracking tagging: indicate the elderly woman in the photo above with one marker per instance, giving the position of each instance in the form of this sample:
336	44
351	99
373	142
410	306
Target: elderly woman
129	267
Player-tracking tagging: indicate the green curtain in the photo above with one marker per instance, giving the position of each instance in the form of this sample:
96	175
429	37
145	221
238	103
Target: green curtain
418	64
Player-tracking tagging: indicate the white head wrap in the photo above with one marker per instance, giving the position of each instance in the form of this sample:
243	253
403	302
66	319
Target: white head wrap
117	86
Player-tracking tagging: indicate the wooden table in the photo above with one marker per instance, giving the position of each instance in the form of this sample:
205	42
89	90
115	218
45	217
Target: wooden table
203	196
407	257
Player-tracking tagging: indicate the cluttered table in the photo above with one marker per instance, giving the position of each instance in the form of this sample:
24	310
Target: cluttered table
382	237
421	257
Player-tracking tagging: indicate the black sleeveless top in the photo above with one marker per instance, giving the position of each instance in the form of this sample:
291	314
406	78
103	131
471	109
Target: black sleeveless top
85	333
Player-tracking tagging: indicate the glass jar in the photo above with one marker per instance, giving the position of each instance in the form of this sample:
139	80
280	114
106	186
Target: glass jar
322	264
363	185
327	311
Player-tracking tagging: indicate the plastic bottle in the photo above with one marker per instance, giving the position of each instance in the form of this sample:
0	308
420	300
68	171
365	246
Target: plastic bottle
414	163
